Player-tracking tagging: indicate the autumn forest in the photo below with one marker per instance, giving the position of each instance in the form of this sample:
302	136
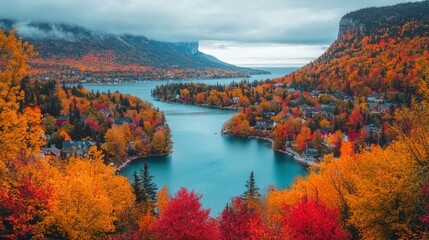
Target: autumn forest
356	118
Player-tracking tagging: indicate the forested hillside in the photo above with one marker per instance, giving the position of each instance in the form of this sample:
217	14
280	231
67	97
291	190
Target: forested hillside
72	53
378	50
359	190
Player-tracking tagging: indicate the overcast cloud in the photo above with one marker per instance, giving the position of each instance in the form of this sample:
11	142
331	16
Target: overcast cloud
260	24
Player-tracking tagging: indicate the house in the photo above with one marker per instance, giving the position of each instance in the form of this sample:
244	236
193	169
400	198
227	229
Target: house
127	120
371	128
379	107
328	110
311	152
60	120
52	151
374	98
290	90
236	99
309	112
315	93
298	101
279	85
341	96
105	112
265	125
327	131
76	148
269	114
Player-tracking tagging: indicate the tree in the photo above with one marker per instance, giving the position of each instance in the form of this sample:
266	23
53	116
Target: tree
23	208
303	138
162	199
20	131
148	186
90	195
252	191
137	187
311	219
159	142
143	147
238	221
199	99
279	135
184	218
317	142
245	129
116	143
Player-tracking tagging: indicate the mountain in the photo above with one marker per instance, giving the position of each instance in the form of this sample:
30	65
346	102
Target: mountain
378	50
75	52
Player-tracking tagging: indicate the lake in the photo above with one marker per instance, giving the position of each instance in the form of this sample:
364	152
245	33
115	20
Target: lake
203	160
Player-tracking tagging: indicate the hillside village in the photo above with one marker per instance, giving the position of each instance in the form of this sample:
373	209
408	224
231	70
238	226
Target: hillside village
74	120
307	124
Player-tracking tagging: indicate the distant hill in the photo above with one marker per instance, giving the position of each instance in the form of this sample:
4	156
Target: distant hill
75	52
378	50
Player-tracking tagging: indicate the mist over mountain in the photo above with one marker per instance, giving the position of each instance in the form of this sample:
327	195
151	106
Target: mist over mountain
66	49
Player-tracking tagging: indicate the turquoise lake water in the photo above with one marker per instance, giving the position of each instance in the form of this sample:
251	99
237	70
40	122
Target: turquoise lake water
203	160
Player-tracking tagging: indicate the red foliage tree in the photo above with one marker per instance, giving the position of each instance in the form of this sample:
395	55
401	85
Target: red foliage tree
184	218
355	119
22	207
240	222
311	219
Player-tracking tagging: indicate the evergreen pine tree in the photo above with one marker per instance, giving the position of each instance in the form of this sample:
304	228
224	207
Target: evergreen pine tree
149	187
136	184
252	191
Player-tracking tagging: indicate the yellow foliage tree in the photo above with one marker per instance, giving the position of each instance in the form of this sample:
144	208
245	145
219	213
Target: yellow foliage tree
159	142
89	195
163	198
20	131
116	143
324	123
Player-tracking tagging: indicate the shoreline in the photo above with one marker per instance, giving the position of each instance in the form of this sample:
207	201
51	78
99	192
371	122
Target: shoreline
290	152
199	105
259	72
131	159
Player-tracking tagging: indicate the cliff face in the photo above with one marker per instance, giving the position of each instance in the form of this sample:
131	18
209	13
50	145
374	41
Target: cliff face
188	47
386	20
378	50
350	26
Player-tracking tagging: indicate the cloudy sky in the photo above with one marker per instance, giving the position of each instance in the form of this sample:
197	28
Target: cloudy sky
242	32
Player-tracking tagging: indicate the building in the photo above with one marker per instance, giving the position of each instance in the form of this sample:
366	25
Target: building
105	112
127	120
379	107
290	90
76	148
371	128
374	98
52	151
263	125
236	99
269	114
60	120
309	112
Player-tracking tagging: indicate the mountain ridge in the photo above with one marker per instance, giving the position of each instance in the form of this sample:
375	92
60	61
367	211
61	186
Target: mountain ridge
79	53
